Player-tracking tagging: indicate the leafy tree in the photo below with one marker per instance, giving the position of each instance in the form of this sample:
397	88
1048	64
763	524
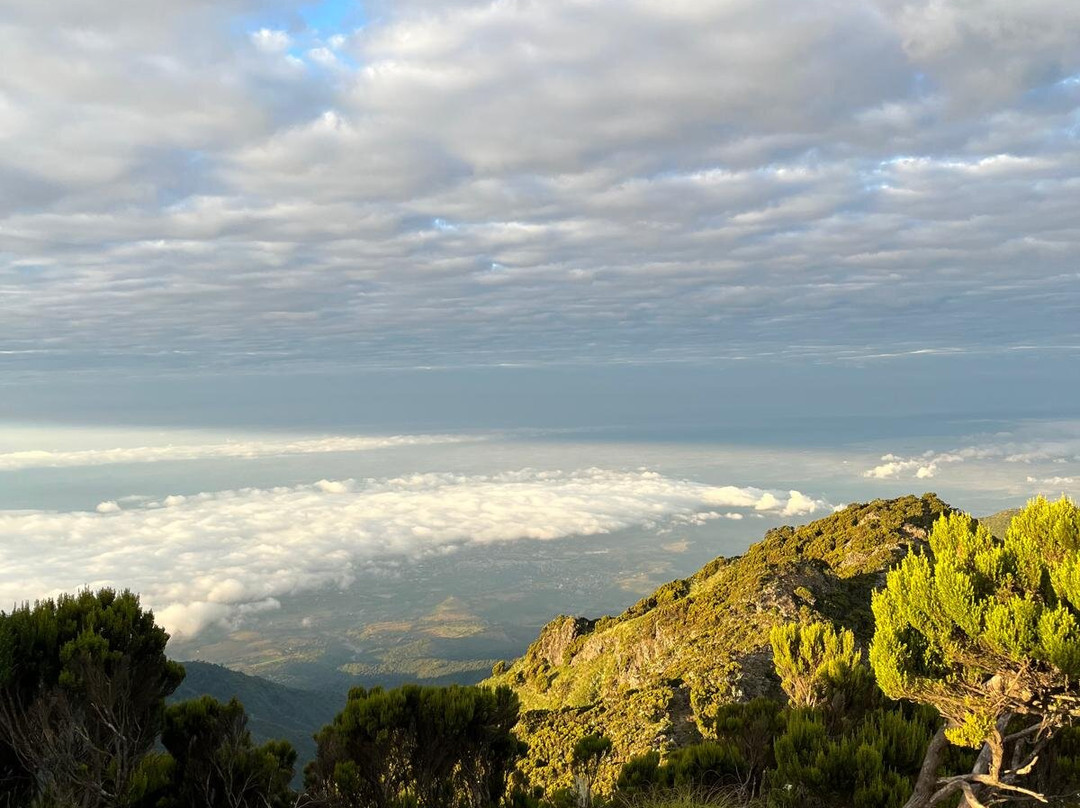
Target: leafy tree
429	746
820	666
589	752
212	762
83	681
988	633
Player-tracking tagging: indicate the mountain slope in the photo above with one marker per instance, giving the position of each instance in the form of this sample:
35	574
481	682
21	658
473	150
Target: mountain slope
650	678
998	523
274	711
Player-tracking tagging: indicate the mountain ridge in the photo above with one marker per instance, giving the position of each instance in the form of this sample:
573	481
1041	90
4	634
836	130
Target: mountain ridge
652	677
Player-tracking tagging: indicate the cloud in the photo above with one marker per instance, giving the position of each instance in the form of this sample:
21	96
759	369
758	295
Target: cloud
246	449
215	557
1052	481
214	186
270	41
1053	443
800	504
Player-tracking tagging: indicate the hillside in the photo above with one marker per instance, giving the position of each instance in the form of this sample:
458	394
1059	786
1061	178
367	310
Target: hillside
650	677
998	523
274	711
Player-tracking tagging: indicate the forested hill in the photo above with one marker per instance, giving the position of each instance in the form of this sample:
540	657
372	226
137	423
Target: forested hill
651	677
274	711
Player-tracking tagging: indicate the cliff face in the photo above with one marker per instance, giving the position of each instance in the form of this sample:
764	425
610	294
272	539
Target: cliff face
651	677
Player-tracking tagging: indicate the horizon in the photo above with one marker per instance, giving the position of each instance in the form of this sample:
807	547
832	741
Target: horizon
412	285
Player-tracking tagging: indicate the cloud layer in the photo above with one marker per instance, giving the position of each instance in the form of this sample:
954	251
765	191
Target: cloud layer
219	184
243	449
216	557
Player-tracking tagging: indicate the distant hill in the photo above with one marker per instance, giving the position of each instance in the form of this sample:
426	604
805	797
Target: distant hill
998	523
275	711
649	678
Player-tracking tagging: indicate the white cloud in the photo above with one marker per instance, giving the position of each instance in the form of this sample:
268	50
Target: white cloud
246	449
270	41
1062	481
630	173
924	466
107	507
1035	446
215	557
800	504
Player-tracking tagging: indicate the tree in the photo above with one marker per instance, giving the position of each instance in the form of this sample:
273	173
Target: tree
430	746
988	633
213	762
589	752
83	681
819	666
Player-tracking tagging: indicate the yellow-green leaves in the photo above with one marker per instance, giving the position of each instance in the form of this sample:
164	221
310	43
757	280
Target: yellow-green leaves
951	626
814	661
1059	634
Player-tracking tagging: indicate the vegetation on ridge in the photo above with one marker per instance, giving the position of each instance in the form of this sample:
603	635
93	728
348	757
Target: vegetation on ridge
653	678
978	637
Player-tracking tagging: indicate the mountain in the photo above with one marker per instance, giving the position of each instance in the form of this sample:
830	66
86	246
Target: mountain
651	677
998	523
274	711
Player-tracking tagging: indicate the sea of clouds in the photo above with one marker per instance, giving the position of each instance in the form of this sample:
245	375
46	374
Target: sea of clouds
212	558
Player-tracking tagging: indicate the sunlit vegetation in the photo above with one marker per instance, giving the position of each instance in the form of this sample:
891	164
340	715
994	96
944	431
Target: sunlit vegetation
893	655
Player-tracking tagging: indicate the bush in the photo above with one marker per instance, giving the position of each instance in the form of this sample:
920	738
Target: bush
871	766
430	746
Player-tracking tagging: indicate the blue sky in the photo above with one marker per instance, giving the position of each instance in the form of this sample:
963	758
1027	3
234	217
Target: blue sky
333	16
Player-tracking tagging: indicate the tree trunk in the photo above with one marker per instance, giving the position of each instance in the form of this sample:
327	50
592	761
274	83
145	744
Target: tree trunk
927	784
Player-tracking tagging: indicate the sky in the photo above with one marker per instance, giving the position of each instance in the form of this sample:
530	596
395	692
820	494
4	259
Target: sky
246	183
383	278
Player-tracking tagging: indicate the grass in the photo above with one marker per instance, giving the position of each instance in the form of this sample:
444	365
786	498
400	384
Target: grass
686	797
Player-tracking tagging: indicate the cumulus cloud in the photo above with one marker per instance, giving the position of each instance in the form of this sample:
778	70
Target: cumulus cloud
923	467
215	557
246	449
212	185
1053	443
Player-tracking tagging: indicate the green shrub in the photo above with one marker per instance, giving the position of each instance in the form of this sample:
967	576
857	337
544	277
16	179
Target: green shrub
871	766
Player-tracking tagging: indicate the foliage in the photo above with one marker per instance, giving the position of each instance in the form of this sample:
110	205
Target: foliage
589	752
819	665
427	746
871	765
83	681
987	631
273	710
656	676
211	761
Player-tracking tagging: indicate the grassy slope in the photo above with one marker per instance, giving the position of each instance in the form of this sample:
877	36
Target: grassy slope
648	677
